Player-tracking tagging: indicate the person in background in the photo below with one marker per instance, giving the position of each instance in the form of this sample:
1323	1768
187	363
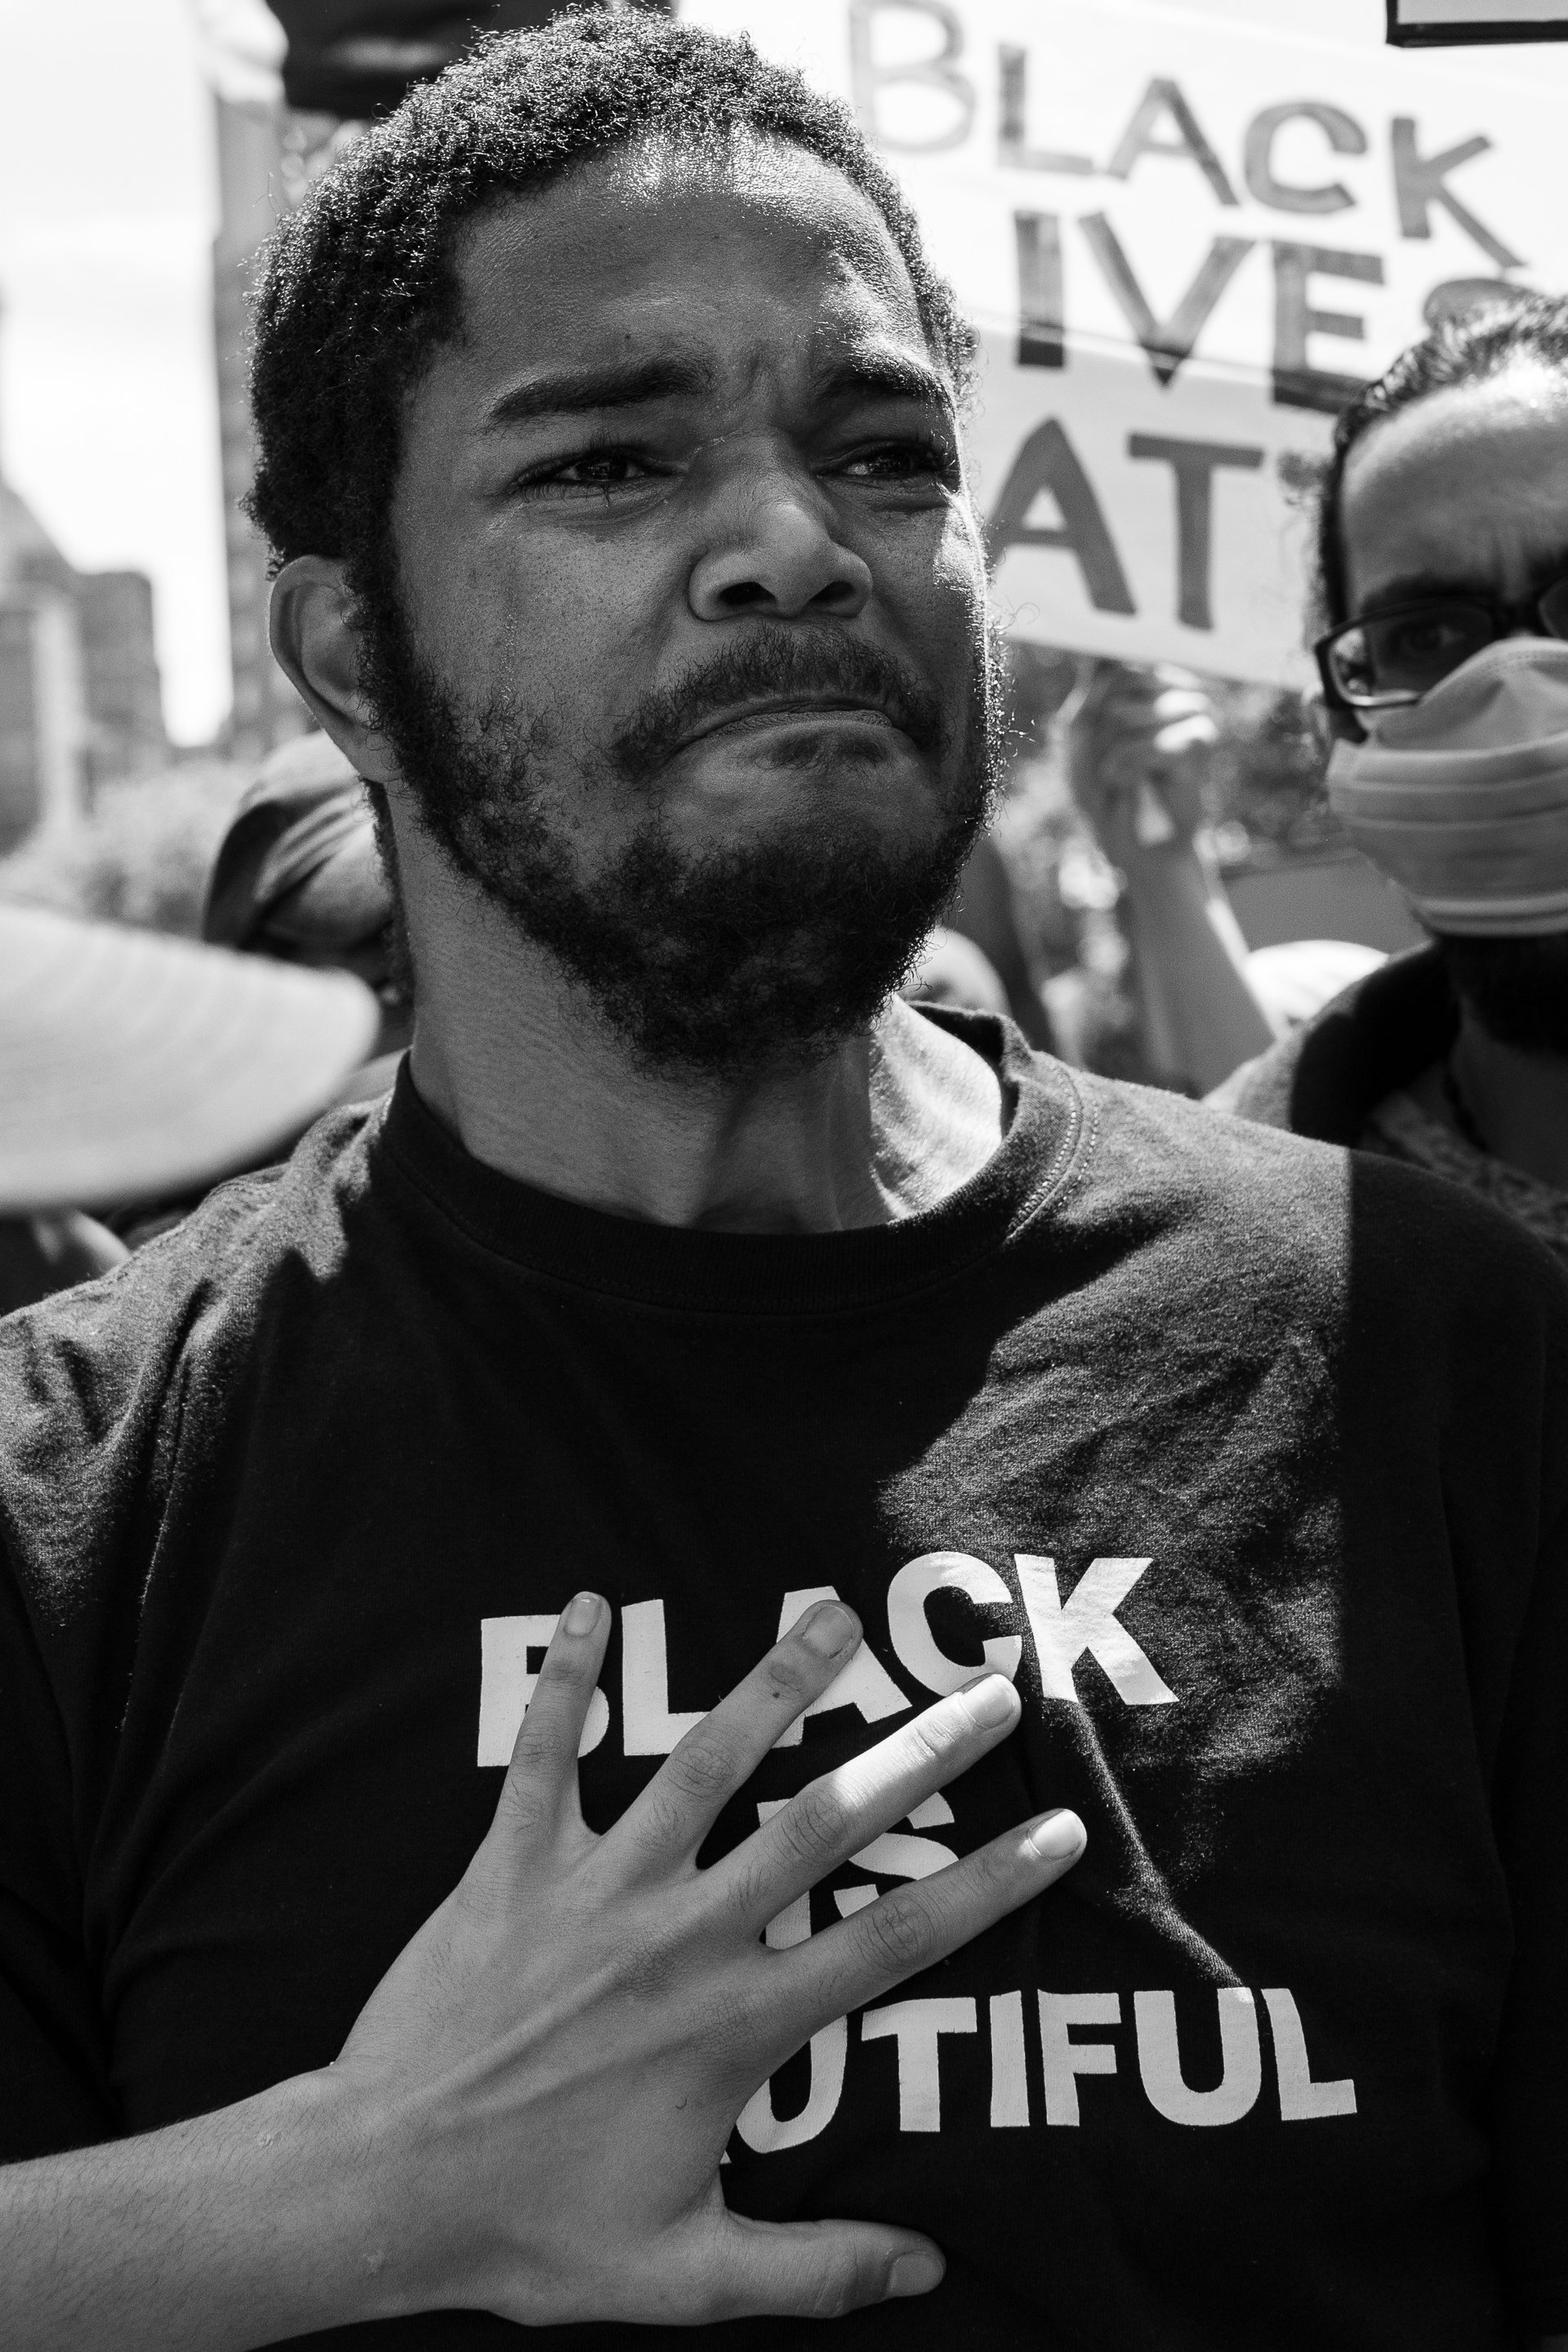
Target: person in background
1443	581
1293	979
133	1066
46	1250
298	877
953	971
984	918
1138	747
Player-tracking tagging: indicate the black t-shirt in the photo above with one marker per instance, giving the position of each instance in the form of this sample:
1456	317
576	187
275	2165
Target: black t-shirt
1246	1454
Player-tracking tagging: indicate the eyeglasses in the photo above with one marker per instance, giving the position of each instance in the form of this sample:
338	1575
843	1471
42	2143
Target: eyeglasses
1393	658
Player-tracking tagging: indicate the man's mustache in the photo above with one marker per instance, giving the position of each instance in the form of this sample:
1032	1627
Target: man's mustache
774	664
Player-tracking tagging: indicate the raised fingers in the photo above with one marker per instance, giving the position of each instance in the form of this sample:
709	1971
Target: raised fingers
667	1824
842	1811
918	1924
539	1792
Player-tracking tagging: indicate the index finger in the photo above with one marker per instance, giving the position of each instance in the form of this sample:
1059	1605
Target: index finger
539	1795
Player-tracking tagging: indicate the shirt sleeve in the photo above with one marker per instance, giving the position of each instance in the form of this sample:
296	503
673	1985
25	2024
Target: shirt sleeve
52	2058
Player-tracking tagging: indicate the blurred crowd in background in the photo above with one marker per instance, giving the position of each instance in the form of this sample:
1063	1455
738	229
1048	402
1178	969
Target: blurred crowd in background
1150	817
1239	767
275	857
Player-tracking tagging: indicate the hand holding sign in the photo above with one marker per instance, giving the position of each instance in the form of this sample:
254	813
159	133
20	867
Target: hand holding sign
555	2062
1138	747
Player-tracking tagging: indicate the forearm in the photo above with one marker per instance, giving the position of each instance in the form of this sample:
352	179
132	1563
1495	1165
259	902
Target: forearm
1201	1014
261	2221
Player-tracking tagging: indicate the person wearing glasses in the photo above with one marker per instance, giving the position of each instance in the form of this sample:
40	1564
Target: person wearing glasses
1443	574
700	1361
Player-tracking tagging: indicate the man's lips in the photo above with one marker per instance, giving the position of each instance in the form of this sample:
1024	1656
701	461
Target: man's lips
786	709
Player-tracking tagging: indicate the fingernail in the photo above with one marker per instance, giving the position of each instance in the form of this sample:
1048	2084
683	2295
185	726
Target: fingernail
915	2273
583	1613
993	1701
1060	1837
828	1629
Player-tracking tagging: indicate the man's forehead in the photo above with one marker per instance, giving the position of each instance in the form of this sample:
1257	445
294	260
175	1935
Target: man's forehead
759	245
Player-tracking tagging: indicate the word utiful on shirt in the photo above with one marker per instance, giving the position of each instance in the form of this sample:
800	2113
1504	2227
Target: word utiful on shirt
920	2028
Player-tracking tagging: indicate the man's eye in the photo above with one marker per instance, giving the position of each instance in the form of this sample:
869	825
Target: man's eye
595	470
903	461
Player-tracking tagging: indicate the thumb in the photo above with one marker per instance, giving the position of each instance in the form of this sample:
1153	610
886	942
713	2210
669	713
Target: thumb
818	2270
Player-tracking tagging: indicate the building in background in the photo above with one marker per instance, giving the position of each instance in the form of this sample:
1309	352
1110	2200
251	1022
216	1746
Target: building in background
292	83
80	706
43	701
251	126
125	732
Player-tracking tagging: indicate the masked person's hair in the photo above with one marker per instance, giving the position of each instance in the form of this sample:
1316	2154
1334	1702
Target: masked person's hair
360	287
1482	343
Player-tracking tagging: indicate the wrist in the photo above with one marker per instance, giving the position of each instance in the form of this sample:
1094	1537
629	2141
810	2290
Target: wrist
404	2212
1165	869
365	2175
280	2215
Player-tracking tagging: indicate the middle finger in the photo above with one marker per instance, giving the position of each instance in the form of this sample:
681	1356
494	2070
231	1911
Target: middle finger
664	1826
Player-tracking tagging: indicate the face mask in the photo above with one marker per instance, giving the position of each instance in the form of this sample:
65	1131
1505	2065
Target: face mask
1462	798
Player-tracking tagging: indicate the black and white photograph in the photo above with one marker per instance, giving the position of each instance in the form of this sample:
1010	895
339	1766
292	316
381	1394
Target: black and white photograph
784	1175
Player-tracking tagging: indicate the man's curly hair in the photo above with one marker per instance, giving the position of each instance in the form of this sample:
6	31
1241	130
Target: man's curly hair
359	288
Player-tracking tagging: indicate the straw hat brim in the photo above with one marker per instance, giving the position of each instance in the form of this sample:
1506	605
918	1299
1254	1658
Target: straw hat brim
133	1066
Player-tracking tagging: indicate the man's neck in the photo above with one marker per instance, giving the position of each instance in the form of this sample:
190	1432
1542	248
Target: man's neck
519	1070
1519	1100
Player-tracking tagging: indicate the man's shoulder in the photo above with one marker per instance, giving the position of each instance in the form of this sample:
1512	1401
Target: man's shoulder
87	1376
1192	1219
240	1230
1167	1142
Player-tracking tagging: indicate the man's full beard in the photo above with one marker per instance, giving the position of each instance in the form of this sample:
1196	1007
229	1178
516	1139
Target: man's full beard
1517	988
759	958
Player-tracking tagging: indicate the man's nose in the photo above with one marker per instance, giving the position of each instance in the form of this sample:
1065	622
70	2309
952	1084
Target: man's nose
774	552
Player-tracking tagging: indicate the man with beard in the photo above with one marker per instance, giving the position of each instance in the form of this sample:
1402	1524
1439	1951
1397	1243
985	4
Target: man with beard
1443	565
693	1295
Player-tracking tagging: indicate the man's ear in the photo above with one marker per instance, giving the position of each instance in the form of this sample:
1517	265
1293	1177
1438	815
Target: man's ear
313	638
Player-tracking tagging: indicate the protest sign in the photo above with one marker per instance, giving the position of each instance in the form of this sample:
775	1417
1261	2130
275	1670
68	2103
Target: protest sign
1185	241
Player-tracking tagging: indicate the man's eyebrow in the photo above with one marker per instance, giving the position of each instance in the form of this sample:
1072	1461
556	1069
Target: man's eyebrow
619	384
892	374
